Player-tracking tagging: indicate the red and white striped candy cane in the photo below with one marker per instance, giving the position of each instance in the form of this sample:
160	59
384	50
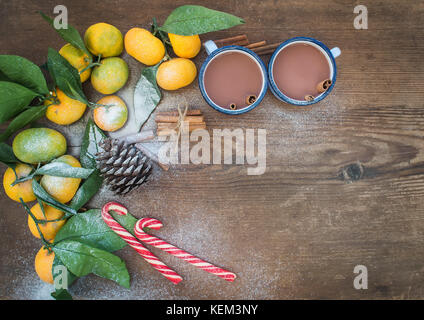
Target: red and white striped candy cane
177	252
134	243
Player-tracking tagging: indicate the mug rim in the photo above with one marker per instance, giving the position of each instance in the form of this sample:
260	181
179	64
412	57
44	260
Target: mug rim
213	104
273	86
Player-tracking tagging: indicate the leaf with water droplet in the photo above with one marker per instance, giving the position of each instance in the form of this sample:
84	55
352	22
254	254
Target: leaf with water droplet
146	95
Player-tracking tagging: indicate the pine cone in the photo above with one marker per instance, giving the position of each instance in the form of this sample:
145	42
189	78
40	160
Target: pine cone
123	166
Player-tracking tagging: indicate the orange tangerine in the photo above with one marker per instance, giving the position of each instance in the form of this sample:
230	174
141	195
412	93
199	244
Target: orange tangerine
78	59
144	46
110	76
21	190
104	39
185	46
176	73
48	229
112	115
61	188
43	265
66	111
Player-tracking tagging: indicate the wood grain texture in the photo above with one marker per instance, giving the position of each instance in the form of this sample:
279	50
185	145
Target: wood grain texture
345	178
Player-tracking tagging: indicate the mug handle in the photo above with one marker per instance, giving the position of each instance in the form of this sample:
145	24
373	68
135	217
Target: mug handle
336	52
210	46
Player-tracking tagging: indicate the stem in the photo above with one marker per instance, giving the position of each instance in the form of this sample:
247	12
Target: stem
28	177
51	97
91	65
162	37
166	57
40	203
154	26
46	243
54	220
96	105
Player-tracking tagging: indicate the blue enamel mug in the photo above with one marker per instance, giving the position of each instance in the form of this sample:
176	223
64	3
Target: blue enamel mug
213	52
330	56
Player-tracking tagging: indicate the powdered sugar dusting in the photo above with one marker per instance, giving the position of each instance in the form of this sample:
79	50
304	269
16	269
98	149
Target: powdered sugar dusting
197	218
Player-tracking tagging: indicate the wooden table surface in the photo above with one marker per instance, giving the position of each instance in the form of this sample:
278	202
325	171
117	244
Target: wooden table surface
298	230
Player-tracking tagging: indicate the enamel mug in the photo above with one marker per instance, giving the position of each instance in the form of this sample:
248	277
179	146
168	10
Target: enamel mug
330	55
213	52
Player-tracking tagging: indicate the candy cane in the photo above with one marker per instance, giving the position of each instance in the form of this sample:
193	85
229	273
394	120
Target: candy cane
134	243
177	252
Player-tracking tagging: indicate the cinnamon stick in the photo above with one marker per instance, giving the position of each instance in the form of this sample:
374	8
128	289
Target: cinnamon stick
174	119
266	48
324	85
230	40
239	43
168	132
165	129
250	99
256	44
193	112
168	125
262	53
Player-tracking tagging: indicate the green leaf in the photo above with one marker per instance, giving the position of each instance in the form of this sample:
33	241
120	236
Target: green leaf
189	20
146	95
7	156
89	228
163	36
82	259
76	93
42	195
13	99
87	190
70	35
61	294
65	76
23	119
60	169
3	77
89	147
24	72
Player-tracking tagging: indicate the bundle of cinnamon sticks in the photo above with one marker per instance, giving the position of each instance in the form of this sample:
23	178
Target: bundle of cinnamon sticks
260	47
168	121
